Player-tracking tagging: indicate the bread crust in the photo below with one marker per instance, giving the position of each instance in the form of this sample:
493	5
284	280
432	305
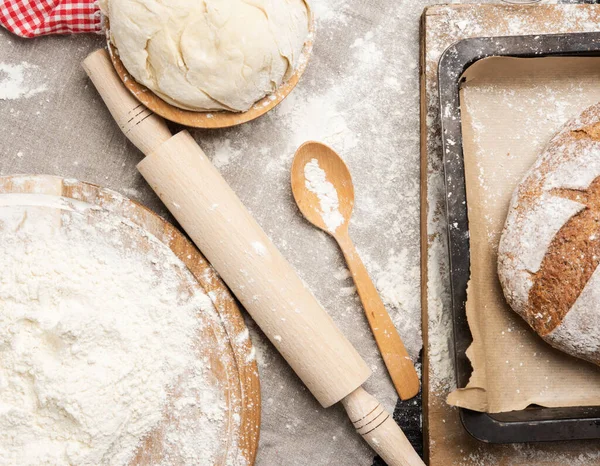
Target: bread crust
549	251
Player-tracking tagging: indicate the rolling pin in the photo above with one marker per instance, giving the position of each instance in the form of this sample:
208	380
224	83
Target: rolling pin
253	268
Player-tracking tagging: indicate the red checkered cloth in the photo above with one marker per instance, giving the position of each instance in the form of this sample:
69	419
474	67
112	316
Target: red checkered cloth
31	18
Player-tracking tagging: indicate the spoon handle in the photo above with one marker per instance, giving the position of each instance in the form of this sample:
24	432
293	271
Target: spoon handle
396	358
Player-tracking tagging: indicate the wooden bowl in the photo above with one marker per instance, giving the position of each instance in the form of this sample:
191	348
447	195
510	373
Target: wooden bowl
225	343
215	119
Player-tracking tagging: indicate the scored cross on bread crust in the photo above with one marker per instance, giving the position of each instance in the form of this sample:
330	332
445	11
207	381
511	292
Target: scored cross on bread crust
569	263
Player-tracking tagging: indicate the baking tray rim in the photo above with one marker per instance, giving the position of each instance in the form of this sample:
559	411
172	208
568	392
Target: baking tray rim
532	424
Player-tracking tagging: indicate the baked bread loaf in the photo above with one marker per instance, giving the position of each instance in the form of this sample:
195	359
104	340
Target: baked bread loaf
550	247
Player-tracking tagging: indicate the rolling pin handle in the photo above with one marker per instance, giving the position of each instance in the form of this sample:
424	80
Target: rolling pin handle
379	429
141	126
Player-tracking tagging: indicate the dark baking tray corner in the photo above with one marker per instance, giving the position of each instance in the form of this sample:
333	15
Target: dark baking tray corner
534	424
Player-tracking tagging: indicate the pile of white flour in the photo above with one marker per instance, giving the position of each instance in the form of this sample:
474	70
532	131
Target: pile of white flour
316	182
97	322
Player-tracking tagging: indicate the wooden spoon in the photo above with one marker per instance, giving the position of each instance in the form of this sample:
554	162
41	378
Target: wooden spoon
322	215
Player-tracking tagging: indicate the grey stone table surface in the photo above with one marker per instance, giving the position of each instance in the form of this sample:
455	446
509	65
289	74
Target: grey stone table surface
360	94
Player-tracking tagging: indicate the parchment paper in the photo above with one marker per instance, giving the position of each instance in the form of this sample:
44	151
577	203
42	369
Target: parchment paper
510	109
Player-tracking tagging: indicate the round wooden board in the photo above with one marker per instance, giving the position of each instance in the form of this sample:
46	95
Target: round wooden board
216	119
225	343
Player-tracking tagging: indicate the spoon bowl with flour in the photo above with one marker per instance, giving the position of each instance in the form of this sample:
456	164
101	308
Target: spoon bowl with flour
322	186
323	189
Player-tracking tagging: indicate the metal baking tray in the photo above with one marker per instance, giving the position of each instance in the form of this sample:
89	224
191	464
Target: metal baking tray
534	424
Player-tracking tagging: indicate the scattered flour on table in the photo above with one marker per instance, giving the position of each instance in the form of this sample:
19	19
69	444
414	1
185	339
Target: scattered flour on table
327	11
440	332
342	274
97	325
316	182
318	118
223	152
132	192
396	285
17	81
373	131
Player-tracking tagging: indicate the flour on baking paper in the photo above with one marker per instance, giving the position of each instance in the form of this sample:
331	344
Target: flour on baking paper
97	325
19	80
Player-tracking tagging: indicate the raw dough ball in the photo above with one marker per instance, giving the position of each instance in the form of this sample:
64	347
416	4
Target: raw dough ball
209	54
